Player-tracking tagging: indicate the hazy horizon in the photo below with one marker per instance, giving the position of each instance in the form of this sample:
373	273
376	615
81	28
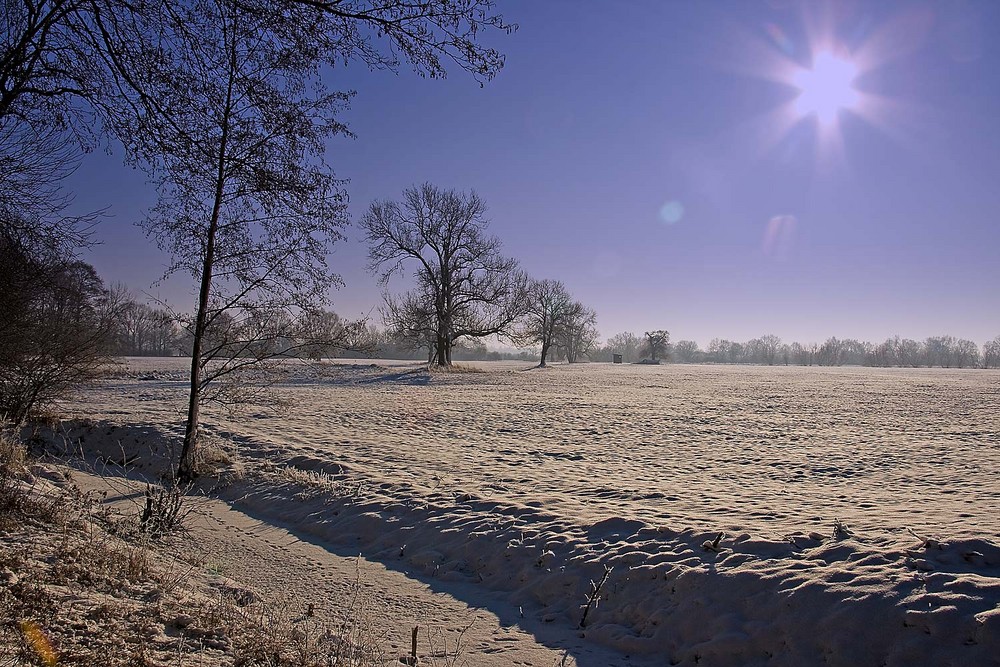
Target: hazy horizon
657	159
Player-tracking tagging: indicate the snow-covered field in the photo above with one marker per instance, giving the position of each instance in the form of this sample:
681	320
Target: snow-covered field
857	507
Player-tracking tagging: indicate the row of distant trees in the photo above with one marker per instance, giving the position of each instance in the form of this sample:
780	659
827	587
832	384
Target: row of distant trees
553	326
82	316
143	330
770	350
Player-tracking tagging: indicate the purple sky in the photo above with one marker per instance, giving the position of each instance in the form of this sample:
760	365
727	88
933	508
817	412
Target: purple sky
649	156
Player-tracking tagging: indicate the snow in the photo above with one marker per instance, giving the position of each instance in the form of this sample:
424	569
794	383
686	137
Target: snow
856	506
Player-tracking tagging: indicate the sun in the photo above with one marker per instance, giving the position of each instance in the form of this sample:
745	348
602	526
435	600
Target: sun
827	87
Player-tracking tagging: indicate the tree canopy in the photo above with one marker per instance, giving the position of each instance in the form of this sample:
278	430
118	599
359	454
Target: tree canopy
465	287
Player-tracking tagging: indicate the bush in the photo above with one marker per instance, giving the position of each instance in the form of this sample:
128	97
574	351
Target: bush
164	511
57	327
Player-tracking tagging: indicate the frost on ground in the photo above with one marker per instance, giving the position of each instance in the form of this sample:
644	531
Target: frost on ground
84	581
82	584
741	515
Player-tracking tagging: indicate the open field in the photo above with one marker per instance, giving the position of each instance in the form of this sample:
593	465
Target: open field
766	450
857	506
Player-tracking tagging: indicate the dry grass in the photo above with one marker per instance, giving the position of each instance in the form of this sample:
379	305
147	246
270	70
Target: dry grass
12	497
84	586
314	482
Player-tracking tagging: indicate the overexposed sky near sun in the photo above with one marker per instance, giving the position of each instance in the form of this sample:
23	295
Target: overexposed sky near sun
826	87
718	169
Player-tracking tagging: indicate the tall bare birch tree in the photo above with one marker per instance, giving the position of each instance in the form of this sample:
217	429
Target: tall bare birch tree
233	123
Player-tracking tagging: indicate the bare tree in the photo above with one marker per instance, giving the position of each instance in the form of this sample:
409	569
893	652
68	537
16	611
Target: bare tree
44	349
410	320
549	311
317	328
135	328
830	353
966	354
578	335
57	327
463	282
752	351
234	128
881	355
769	347
686	351
626	344
991	353
737	353
939	351
164	334
657	344
902	352
718	350
55	316
908	352
855	352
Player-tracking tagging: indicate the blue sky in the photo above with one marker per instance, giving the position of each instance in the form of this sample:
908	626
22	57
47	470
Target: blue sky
650	156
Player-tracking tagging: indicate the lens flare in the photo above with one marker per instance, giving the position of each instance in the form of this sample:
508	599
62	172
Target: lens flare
780	39
41	645
672	212
778	235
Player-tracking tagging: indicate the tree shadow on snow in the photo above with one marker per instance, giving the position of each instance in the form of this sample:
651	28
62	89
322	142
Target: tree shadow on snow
416	377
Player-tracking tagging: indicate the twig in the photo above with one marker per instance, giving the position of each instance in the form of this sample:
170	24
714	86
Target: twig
595	594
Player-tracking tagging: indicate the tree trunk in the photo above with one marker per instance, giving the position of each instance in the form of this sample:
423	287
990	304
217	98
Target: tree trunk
187	469
443	353
545	351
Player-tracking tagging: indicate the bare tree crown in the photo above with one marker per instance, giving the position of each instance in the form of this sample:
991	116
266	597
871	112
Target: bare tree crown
464	286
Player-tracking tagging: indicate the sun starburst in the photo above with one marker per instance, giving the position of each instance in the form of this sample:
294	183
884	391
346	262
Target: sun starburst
827	87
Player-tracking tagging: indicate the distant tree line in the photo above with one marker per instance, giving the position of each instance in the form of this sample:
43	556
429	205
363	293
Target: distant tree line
552	326
144	331
141	330
770	350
